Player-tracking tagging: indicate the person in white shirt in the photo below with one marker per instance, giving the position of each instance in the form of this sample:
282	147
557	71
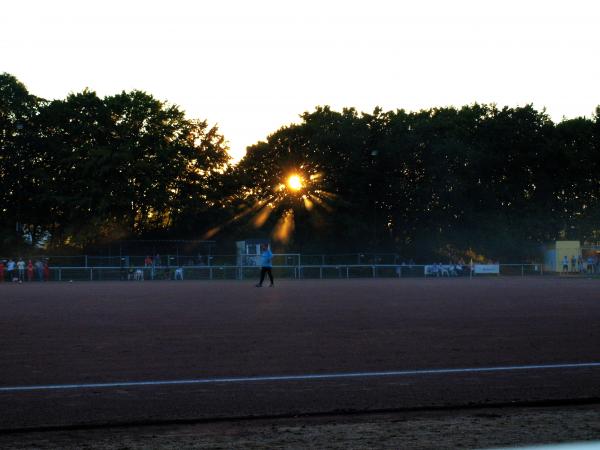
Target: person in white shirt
179	273
266	264
21	269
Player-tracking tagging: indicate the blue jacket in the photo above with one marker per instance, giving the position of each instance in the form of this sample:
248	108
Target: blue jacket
266	258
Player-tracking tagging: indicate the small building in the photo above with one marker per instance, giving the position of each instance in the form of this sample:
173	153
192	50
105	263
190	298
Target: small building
556	251
248	251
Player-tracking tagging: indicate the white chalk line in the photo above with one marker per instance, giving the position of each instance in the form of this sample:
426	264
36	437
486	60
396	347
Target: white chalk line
304	377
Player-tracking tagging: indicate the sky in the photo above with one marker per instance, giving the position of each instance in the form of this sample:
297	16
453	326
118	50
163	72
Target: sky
251	67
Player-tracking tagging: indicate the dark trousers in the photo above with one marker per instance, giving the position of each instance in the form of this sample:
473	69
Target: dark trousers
263	271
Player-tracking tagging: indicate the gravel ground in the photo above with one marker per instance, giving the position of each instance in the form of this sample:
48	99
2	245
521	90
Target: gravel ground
477	428
106	332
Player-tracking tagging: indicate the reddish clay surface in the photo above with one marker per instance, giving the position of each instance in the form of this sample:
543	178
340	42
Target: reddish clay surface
136	331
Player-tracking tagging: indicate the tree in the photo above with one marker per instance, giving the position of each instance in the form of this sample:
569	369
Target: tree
18	111
84	170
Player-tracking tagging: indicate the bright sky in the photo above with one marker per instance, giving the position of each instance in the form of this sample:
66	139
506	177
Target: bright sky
252	66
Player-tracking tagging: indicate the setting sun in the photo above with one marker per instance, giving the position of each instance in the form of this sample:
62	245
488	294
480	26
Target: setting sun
294	182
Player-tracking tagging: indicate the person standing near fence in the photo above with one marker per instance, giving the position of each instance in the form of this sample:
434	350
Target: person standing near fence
179	273
10	269
266	264
21	269
39	268
591	264
29	270
565	264
46	271
149	267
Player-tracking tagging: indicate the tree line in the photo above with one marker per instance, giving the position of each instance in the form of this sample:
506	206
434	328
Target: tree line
442	182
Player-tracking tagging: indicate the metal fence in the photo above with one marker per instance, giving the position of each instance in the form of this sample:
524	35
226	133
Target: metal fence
281	271
177	260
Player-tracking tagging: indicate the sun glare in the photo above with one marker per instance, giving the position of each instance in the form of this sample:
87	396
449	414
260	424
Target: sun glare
294	182
299	189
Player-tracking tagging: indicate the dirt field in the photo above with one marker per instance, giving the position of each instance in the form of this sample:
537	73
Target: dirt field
89	333
483	428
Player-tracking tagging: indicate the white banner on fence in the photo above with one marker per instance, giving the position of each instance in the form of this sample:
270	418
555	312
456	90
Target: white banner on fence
443	269
486	268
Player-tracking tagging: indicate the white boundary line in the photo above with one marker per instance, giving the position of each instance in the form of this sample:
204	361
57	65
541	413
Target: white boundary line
305	377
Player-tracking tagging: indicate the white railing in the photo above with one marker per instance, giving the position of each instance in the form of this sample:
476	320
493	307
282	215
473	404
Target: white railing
296	271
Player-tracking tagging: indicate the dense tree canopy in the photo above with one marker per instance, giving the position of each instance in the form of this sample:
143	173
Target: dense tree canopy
86	169
438	182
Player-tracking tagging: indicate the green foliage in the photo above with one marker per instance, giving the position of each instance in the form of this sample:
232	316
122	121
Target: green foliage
500	181
18	130
442	182
87	169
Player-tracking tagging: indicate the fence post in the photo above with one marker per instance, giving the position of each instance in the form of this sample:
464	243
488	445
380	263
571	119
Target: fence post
373	271
210	272
91	274
522	270
347	277
321	272
59	274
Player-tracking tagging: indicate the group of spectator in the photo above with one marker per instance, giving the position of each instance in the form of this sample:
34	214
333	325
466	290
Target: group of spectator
452	269
153	270
446	270
156	261
20	271
579	264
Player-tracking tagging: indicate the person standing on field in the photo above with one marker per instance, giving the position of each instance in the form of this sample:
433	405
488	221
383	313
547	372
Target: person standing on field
266	264
21	269
29	271
10	269
39	268
46	271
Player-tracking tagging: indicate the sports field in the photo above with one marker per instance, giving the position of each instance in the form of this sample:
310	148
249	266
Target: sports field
171	352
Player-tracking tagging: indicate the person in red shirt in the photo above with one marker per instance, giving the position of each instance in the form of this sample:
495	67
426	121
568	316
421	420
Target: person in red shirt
2	267
29	271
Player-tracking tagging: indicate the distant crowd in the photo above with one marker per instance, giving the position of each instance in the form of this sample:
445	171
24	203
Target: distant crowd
20	271
154	269
578	264
437	269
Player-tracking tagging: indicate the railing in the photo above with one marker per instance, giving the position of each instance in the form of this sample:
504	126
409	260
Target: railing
297	271
176	260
